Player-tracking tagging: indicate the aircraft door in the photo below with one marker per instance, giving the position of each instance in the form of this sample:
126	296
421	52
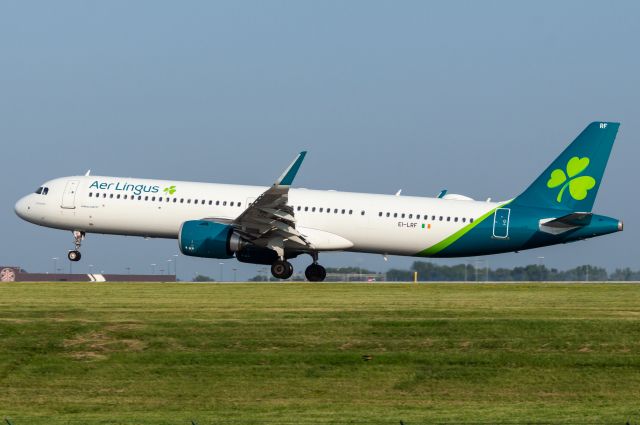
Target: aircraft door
501	223
69	195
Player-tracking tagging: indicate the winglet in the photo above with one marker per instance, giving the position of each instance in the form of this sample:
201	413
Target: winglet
290	173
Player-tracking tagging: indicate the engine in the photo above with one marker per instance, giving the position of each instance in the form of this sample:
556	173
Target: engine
208	239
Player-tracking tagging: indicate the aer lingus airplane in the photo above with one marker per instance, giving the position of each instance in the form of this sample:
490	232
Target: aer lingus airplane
269	225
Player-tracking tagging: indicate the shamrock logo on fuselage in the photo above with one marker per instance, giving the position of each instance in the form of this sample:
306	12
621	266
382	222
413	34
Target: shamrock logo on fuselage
170	190
578	186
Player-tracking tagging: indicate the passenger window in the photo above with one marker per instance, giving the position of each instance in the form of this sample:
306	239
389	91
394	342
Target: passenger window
90	194
410	215
362	212
464	220
210	202
440	218
239	204
417	216
306	208
313	209
402	216
217	202
118	196
380	214
433	217
329	210
139	198
182	200
168	199
395	215
299	207
124	196
111	196
175	200
153	198
343	211
448	218
146	198
335	211
470	220
455	219
224	203
350	212
231	203
189	201
321	209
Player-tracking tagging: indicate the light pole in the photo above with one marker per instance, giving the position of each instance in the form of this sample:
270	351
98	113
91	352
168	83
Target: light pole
486	270
55	264
540	267
587	271
169	266
175	265
235	275
128	269
221	271
90	268
153	268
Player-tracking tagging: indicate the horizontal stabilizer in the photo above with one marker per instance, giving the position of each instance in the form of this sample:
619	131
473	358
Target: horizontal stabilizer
566	222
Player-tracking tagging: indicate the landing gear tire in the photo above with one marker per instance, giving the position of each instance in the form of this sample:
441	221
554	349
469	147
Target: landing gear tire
74	255
315	273
78	237
282	269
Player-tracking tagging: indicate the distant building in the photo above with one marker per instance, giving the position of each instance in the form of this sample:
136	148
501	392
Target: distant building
17	274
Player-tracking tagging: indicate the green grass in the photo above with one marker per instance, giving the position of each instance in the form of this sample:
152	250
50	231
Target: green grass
80	353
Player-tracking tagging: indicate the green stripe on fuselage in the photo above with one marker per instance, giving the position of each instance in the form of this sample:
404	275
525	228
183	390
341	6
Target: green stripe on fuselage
457	235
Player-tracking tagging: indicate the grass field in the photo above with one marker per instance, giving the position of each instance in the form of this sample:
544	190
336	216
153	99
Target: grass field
79	353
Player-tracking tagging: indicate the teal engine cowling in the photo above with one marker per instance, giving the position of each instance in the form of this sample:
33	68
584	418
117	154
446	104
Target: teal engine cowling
208	239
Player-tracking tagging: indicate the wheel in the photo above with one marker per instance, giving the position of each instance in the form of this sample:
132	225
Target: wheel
315	273
74	255
282	269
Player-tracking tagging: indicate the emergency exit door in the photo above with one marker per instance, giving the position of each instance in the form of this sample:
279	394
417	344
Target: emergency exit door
501	223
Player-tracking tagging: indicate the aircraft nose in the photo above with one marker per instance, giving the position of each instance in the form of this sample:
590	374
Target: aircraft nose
22	208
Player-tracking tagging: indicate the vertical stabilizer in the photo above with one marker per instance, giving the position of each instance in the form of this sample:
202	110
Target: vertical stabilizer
572	180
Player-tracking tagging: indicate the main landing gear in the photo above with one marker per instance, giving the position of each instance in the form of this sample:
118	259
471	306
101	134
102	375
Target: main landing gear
282	269
78	237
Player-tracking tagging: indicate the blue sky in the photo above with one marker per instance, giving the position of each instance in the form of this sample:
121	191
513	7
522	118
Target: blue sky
475	97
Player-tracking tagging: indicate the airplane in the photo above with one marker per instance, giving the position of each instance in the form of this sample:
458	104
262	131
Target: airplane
271	225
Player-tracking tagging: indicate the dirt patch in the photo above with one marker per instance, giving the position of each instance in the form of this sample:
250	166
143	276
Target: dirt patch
97	345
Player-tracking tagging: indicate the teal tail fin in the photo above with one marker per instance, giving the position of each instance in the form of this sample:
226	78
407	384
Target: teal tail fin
571	182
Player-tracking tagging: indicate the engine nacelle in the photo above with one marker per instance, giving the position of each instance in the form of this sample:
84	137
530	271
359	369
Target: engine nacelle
208	239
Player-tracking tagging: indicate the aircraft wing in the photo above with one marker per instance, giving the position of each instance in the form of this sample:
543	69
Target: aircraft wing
269	221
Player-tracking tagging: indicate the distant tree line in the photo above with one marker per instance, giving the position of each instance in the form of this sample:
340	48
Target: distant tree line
532	272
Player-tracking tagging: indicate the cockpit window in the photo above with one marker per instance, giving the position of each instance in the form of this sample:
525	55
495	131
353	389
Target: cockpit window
39	191
45	191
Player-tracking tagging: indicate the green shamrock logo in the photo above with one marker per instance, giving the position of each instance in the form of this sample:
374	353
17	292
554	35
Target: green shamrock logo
578	186
170	190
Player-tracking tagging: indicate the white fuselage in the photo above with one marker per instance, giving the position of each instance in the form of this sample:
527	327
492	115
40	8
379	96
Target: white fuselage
331	220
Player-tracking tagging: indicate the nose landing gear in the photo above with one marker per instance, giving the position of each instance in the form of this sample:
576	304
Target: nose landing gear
78	237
